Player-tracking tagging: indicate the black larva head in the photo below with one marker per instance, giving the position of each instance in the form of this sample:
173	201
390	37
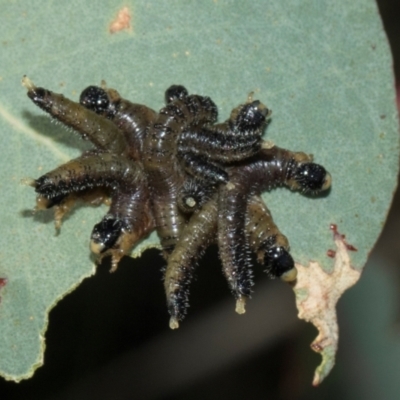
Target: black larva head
312	177
175	92
105	234
96	99
278	262
251	116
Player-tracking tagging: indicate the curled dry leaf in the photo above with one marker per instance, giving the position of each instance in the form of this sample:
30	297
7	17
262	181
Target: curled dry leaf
317	293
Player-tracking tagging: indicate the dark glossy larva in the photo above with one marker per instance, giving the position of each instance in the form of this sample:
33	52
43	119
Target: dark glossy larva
130	118
204	152
161	165
108	168
195	238
269	168
266	240
178	172
244	224
100	131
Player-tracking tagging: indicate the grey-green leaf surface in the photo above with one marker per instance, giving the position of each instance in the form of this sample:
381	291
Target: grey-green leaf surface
323	67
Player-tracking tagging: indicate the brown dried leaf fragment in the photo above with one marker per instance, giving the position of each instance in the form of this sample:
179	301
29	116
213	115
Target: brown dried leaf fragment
122	21
317	293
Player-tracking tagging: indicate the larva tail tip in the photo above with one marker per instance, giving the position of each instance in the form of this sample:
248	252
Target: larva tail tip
173	323
241	305
250	97
27	83
28	182
114	262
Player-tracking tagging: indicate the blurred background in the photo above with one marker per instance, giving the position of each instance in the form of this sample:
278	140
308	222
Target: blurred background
110	337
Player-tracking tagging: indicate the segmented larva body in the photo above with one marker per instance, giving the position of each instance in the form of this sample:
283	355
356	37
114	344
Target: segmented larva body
195	237
244	224
202	151
129	217
271	167
85	172
236	139
267	241
194	181
130	118
100	131
261	231
162	168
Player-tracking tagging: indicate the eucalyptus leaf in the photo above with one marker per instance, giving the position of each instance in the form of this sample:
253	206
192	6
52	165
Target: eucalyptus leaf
324	68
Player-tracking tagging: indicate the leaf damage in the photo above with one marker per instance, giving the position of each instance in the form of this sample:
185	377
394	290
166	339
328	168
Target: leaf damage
121	22
317	293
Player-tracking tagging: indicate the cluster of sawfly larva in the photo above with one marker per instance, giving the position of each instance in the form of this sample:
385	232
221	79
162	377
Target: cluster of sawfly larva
179	172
